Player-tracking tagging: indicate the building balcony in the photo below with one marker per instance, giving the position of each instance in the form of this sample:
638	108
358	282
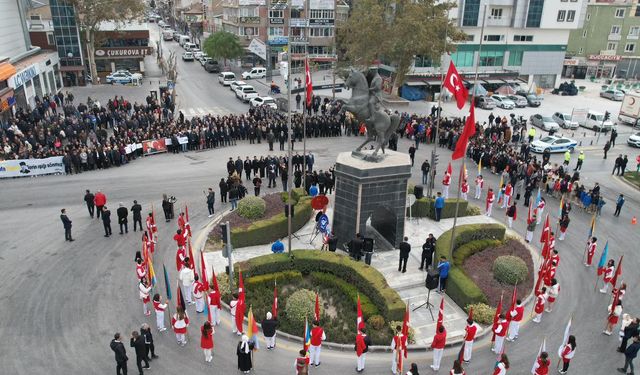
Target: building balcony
632	37
614	37
322	40
498	21
608	52
299	40
323	57
502	3
249	20
298	22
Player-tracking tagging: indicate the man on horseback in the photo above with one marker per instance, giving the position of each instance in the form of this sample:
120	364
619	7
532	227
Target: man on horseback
375	90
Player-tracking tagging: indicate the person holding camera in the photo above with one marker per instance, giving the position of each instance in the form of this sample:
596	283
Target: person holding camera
428	248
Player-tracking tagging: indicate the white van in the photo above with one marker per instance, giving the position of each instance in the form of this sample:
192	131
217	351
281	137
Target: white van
184	39
255	73
595	121
225	78
188	46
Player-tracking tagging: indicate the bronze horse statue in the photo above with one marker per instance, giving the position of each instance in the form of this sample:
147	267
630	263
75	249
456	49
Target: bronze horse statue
380	125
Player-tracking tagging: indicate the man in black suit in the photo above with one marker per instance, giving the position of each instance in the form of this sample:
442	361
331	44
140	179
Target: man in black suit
145	331
137	342
88	198
123	213
106	221
136	210
67	225
121	354
405	249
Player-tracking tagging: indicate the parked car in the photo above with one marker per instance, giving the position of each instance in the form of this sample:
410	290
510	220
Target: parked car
533	100
616	95
122	77
503	102
203	60
484	102
197	53
212	66
552	144
188	46
259	101
634	140
519	101
544	122
246	93
258	72
564	120
225	78
187	56
596	122
235	84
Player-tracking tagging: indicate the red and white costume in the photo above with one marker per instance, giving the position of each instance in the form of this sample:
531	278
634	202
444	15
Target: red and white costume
591	250
206	343
566	353
464	190
396	344
508	191
552	294
361	353
540	209
141	270
214	307
198	295
151	228
500	369
438	343
479	186
181	254
549	274
501	331
181	223
457	373
180	327
181	242
608	276
489	202
159	307
615	315
541	300
317	336
541	367
470	332
516	314
144	296
446	181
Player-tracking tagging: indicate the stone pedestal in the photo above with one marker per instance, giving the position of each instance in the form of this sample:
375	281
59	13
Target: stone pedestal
371	190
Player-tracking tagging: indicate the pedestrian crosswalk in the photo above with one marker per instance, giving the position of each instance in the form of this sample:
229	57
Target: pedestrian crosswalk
195	112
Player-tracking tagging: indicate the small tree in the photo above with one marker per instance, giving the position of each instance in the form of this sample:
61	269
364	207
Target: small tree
224	45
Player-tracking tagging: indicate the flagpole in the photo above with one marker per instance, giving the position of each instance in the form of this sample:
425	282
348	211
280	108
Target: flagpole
289	133
432	172
464	160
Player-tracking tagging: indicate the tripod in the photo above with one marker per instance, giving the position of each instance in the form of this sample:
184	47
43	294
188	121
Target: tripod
428	304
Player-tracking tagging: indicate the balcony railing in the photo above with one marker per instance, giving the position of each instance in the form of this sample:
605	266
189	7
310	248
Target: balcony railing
250	20
614	37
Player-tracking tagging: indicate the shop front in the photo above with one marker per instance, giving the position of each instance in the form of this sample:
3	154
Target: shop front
602	66
36	76
111	59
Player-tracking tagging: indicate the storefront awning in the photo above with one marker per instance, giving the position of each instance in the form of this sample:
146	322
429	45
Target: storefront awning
493	81
417	83
6	71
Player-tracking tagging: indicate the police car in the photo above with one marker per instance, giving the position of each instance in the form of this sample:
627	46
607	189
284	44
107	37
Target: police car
553	144
123	77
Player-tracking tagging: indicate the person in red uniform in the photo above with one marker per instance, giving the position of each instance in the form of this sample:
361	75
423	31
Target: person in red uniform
99	200
552	294
470	332
362	347
591	250
502	365
144	289
541	300
446	181
214	307
541	367
141	269
180	240
479	186
317	336
438	343
489	202
151	227
464	189
206	341
159	307
181	255
508	191
198	293
500	331
302	363
516	314
179	323
566	353
555	257
550	273
608	275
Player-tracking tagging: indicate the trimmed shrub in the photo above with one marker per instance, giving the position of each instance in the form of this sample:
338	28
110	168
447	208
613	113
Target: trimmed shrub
466	234
301	305
364	278
376	322
482	313
268	230
412	333
468	249
411	188
473	210
424	208
509	269
331	281
462	289
252	207
285	277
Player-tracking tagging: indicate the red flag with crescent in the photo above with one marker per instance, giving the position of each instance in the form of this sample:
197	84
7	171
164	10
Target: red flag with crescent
308	83
454	84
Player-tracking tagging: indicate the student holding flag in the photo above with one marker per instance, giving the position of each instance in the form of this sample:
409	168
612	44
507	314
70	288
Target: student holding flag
591	250
479	185
214	302
317	336
198	293
269	326
437	344
540	204
361	347
206	340
144	289
179	323
502	365
567	353
243	352
541	366
607	273
470	332
159	308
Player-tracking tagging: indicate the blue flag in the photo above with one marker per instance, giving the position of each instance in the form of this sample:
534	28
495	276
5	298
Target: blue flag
538	198
602	264
166	282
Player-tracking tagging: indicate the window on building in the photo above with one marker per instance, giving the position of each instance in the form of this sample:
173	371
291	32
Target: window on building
584	34
515	58
493	38
534	15
319	50
561	15
612	46
564	1
276	31
249	31
423	62
620	13
321	13
297	13
51	40
470	38
276	13
637	14
496	13
634	31
615	29
491	58
630	47
463	58
249	12
471	13
523	38
321	31
588	17
571	15
580	51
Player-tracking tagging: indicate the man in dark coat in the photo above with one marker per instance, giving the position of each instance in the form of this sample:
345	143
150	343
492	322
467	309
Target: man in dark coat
66	223
231	167
405	249
269	326
137	342
136	210
224	188
122	218
121	354
247	168
239	166
145	332
428	248
88	198
106	221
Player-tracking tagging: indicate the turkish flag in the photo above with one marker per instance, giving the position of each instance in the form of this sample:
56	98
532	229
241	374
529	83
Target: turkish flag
307	82
453	83
468	132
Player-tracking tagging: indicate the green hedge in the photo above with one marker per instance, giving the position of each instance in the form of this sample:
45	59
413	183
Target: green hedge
364	278
331	281
460	287
285	277
268	230
424	208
